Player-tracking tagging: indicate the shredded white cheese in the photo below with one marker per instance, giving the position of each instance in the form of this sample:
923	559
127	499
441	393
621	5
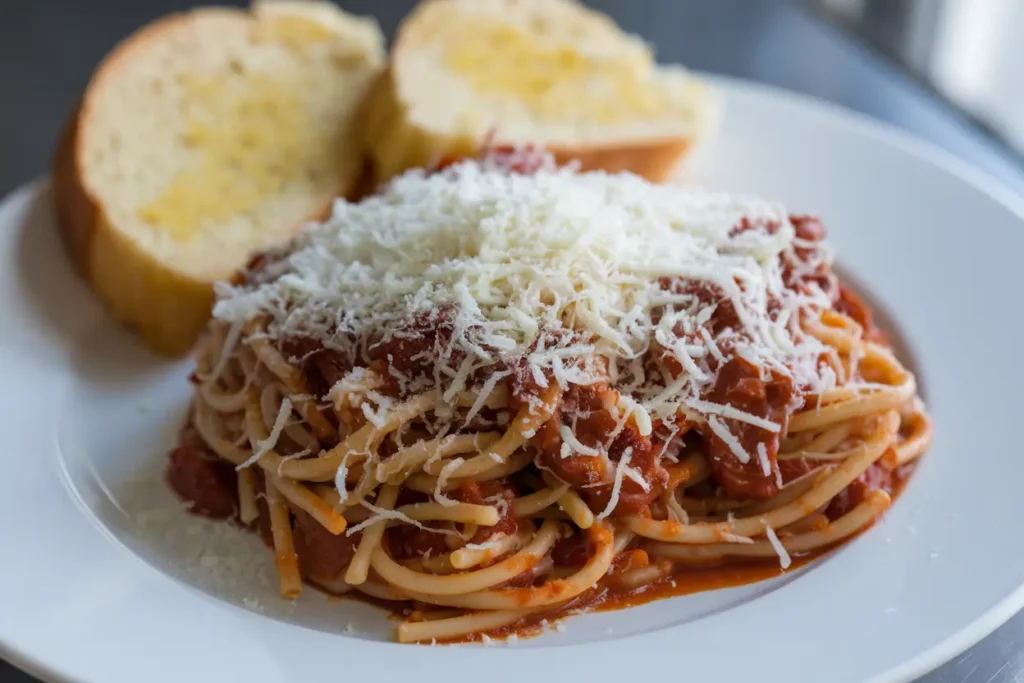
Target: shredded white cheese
485	391
723	433
762	458
382	515
620	471
491	544
259	448
442	479
637	478
735	538
709	408
226	352
573	446
777	546
545	272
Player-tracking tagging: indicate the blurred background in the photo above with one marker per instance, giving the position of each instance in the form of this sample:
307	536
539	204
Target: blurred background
947	71
967	50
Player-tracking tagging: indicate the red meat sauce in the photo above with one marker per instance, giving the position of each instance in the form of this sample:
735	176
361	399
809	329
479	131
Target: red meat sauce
682	579
590	411
411	352
199	477
409	542
210	484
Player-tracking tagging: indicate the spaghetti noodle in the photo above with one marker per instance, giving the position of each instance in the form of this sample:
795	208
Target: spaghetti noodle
494	395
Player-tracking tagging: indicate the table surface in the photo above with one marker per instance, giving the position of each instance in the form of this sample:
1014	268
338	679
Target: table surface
49	47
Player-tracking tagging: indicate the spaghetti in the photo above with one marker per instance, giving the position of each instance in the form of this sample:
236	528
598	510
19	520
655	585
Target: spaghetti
504	391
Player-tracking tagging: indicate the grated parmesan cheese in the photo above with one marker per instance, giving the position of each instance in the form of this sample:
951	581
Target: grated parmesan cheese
493	543
637	477
728	439
259	448
543	272
735	538
226	352
442	479
780	550
762	458
485	391
620	471
382	515
571	445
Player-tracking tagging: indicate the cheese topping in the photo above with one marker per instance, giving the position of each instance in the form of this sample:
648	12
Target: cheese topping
261	447
569	275
780	550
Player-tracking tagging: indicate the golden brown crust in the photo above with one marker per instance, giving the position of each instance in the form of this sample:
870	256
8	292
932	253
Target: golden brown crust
77	210
397	144
139	291
167	308
652	159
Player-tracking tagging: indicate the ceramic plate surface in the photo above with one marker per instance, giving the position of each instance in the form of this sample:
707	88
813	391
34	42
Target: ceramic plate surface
104	578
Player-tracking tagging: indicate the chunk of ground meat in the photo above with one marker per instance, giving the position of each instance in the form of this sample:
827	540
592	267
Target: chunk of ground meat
323	556
199	477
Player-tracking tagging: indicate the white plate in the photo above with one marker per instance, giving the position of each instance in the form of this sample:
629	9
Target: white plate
102	578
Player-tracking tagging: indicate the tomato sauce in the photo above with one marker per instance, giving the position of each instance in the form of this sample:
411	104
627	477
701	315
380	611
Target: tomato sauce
592	412
685	579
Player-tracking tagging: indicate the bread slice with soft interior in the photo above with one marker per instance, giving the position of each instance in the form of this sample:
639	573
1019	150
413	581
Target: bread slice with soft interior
203	138
551	72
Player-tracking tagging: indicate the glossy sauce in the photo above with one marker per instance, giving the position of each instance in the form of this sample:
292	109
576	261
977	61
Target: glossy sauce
684	580
199	477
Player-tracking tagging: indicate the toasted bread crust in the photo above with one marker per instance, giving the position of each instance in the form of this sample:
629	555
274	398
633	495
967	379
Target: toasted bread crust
167	308
652	159
397	144
140	292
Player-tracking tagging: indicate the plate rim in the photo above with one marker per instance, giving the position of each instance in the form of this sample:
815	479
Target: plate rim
975	631
885	133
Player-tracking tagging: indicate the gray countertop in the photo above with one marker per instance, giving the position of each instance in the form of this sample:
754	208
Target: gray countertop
49	47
